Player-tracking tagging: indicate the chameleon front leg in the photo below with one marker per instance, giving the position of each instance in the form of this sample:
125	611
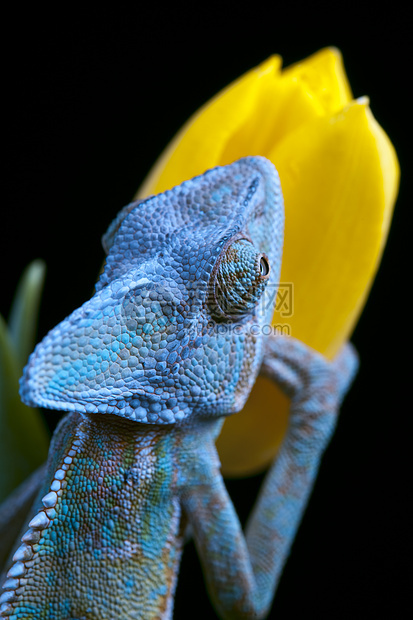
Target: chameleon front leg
242	573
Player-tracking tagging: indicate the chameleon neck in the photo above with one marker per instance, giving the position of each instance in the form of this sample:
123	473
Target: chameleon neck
107	538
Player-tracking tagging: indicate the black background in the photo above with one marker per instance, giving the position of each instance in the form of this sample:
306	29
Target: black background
90	98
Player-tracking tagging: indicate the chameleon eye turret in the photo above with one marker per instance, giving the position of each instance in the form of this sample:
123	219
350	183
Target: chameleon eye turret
238	281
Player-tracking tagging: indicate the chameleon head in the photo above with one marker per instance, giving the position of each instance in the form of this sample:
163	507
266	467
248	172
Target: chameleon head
176	325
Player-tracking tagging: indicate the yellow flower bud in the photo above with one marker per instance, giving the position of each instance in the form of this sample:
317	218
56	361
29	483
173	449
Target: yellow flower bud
339	174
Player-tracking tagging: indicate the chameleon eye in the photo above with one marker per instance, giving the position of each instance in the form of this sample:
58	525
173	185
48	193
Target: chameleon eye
264	265
239	280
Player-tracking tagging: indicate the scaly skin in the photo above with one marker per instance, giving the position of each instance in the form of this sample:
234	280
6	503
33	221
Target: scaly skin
112	540
171	342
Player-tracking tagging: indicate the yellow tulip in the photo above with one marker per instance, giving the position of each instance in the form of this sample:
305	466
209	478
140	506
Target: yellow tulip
339	174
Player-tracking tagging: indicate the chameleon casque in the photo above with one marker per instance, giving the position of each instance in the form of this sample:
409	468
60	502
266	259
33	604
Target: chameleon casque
147	369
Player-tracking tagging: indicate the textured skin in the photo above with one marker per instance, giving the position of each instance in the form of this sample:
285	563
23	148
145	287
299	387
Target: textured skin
146	346
171	342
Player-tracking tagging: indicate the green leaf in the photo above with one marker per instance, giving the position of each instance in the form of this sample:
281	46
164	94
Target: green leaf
23	436
25	309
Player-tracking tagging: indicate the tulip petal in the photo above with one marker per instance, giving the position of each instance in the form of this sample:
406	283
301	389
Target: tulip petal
340	178
338	203
324	77
249	440
283	105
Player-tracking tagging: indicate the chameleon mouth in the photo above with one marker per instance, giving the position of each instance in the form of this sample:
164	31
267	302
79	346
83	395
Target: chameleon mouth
140	405
105	357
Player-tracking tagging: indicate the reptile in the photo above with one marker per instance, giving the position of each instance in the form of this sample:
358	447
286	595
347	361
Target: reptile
147	370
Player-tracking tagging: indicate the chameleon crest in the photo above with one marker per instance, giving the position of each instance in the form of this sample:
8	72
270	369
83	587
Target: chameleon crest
175	325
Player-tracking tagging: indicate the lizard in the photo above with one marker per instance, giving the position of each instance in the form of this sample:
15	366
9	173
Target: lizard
147	370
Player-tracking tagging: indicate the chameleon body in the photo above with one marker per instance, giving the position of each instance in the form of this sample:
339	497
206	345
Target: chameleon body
171	342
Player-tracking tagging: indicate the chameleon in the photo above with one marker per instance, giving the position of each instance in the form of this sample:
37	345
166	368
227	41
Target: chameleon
147	370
